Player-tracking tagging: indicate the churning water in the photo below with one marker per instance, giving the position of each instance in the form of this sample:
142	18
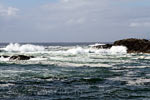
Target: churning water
73	71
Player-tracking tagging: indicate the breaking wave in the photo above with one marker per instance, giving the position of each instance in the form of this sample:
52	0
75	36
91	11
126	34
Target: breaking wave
62	55
118	49
23	48
78	50
112	50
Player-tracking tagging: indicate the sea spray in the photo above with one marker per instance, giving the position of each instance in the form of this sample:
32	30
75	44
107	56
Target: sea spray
118	50
23	48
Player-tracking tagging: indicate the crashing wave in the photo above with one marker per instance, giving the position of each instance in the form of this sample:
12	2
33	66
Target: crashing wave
118	49
78	50
4	59
23	48
112	50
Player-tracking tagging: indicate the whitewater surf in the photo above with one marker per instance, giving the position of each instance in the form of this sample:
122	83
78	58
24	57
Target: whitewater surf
74	70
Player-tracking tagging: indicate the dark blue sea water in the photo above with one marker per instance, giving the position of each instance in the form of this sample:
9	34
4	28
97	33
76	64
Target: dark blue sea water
74	71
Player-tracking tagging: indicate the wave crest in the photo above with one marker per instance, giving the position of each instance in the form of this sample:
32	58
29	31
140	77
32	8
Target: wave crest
112	50
23	48
118	49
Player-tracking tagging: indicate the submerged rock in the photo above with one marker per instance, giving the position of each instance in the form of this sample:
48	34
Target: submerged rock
20	57
134	45
103	46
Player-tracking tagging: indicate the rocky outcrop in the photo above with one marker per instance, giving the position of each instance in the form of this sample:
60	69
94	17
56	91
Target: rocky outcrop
20	57
134	45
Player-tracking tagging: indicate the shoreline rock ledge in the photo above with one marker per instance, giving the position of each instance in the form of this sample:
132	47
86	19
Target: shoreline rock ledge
134	45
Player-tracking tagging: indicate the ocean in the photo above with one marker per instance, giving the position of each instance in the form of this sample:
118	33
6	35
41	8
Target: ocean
73	71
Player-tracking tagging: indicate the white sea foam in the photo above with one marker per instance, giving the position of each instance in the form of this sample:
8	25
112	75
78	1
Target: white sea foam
38	59
118	49
74	55
23	48
96	44
4	59
6	85
139	81
78	50
112	50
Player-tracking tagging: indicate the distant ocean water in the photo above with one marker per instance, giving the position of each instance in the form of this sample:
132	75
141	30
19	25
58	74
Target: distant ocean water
73	71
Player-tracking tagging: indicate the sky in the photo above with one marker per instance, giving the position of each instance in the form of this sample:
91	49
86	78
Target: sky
73	20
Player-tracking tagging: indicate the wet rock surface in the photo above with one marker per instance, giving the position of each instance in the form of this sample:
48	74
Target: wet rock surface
134	45
106	46
20	57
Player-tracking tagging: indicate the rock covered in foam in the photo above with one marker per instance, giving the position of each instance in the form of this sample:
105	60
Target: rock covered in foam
134	45
103	46
20	57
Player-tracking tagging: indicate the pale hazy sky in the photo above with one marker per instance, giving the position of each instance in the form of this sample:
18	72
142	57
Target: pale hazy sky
73	20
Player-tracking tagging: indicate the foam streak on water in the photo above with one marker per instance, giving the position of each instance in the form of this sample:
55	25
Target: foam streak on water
78	72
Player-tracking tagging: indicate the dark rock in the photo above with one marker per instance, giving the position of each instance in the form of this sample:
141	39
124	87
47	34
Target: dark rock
20	57
106	46
4	56
134	45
